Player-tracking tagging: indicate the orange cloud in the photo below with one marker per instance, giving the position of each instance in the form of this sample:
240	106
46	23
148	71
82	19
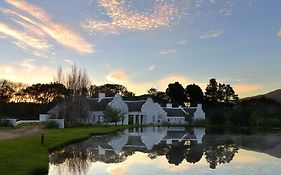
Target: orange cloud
118	170
24	40
162	16
61	33
118	76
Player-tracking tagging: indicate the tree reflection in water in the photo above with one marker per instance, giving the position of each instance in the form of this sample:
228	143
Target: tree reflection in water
116	148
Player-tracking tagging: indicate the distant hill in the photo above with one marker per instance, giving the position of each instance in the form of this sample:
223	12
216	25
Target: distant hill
274	95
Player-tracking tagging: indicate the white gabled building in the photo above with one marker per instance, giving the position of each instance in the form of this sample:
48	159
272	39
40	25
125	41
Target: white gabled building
144	111
139	112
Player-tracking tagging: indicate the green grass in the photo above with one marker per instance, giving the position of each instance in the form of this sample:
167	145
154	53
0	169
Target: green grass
25	156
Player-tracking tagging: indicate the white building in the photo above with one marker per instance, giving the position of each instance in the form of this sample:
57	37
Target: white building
144	111
139	112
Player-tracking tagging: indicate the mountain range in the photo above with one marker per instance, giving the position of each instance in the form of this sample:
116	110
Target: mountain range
274	95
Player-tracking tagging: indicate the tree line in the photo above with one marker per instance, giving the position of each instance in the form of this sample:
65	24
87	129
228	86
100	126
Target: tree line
73	88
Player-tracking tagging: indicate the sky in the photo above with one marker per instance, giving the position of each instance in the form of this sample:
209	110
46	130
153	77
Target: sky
144	43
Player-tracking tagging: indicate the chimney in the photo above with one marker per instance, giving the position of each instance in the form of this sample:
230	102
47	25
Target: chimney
169	105
101	96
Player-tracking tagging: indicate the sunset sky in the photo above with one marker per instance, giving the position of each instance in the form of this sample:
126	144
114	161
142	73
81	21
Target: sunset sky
144	43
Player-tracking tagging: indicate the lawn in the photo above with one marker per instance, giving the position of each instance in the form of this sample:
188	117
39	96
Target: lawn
25	156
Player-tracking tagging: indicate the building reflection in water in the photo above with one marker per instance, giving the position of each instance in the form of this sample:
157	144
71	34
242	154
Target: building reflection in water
177	144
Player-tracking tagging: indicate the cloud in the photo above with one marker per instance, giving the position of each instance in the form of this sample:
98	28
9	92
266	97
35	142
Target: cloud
41	23
118	170
68	61
246	88
122	19
211	34
182	42
26	71
279	33
25	41
150	68
168	52
118	76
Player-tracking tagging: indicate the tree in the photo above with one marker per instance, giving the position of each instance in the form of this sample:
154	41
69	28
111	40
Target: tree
111	90
59	78
175	92
75	110
158	96
217	93
194	94
77	82
45	93
152	91
6	91
211	93
112	115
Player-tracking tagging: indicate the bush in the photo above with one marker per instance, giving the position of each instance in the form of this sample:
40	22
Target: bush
52	125
40	171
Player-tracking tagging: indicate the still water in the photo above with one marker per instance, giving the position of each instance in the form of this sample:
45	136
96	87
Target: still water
174	150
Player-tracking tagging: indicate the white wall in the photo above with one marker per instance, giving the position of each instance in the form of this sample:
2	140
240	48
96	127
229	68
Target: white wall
44	117
199	113
151	110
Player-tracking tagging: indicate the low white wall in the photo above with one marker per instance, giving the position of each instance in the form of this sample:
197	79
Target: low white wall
27	121
60	122
44	117
13	122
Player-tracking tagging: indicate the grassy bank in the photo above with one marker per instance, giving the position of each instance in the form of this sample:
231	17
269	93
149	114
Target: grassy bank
26	155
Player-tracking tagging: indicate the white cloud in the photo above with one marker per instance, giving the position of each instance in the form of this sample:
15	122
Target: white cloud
162	16
150	68
68	61
168	52
182	42
210	34
279	33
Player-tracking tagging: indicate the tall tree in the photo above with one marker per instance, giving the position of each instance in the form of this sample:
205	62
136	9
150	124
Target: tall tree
211	92
194	94
220	93
77	82
176	94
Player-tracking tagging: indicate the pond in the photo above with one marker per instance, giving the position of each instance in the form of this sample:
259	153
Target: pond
173	150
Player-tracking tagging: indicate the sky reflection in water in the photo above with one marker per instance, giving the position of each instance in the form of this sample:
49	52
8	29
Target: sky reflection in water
169	151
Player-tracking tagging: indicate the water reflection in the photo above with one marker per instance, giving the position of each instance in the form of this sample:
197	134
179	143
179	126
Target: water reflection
177	145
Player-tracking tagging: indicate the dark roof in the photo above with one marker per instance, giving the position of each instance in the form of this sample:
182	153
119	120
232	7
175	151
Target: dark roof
135	105
190	111
175	112
97	105
174	134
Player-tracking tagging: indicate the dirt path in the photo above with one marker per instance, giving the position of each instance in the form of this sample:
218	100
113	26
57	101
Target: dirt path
24	131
